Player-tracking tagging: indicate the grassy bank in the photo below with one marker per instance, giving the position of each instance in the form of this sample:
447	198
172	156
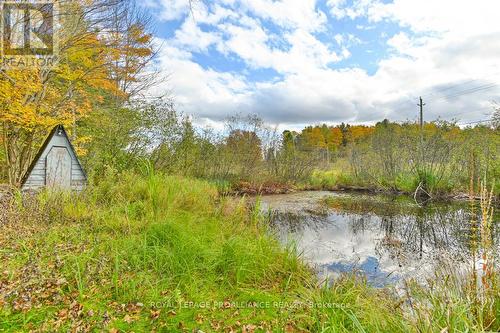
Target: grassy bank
165	253
339	177
159	253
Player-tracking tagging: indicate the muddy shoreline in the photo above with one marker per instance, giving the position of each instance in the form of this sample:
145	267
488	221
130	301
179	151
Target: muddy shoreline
275	189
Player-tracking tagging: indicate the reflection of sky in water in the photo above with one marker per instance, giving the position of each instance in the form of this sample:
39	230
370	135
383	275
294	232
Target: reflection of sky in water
383	248
370	267
332	247
337	248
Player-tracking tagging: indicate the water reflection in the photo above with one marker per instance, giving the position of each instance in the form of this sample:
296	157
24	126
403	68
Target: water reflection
384	238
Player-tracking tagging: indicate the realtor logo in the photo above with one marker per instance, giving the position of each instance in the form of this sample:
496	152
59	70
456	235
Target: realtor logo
28	31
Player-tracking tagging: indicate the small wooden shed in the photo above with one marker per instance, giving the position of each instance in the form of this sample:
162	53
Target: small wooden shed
56	165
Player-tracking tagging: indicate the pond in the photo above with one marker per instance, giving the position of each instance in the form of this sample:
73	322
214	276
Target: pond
386	238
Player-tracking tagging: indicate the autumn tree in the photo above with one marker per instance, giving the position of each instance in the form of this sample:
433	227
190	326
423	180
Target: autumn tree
289	140
131	50
386	144
358	133
312	138
35	99
344	128
334	138
246	148
290	163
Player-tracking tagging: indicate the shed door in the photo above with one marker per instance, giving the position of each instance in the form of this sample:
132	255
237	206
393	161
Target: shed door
59	168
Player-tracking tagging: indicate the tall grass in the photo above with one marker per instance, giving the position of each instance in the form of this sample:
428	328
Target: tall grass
339	176
143	252
463	301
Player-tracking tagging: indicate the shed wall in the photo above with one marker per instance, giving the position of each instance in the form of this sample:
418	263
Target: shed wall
37	178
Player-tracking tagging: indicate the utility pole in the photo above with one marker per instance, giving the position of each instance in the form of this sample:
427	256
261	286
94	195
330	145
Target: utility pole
421	105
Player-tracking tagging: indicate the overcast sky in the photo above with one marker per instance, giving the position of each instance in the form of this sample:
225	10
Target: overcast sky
297	62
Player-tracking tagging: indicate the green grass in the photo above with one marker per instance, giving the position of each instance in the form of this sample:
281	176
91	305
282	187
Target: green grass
161	253
153	252
340	177
332	179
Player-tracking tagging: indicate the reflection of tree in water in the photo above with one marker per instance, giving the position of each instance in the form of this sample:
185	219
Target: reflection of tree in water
402	229
373	235
293	222
428	231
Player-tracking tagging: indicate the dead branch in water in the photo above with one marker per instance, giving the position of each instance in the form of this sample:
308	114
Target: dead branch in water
421	188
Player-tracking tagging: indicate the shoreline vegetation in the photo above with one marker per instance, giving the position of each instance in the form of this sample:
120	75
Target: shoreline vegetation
245	188
148	252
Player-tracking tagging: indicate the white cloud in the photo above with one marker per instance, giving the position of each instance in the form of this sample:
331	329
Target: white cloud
190	37
459	18
341	9
245	36
293	14
339	38
444	43
173	9
198	91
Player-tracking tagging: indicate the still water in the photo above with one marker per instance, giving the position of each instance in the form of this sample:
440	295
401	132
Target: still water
385	238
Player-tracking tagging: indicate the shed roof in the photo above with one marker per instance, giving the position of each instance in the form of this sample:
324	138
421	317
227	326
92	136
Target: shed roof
44	146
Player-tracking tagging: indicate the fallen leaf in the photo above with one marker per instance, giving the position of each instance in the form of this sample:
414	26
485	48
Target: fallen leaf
248	328
63	313
154	314
215	325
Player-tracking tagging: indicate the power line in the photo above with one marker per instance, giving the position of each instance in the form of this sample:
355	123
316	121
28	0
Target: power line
436	97
462	113
454	86
475	122
466	91
472	90
452	117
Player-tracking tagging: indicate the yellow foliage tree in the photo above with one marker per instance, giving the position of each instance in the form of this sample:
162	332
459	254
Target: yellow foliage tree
35	99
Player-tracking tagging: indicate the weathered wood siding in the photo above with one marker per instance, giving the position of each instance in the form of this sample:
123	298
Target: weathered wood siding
38	175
